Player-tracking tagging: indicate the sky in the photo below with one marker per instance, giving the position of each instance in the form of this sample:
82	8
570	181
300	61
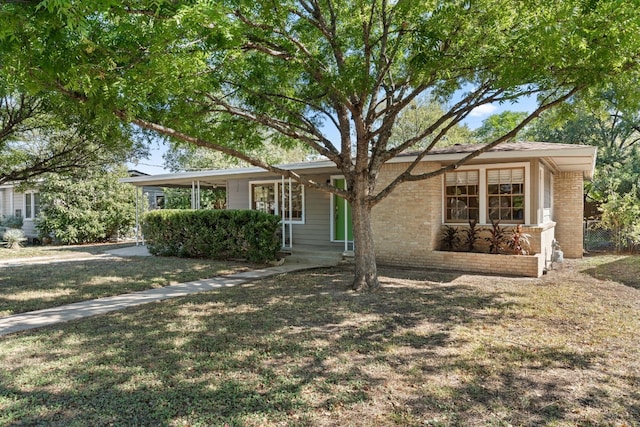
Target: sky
154	165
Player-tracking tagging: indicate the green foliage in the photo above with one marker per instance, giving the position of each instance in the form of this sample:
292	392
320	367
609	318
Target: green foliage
217	234
11	221
37	137
93	209
450	238
621	216
496	125
414	121
607	122
13	238
181	157
180	198
334	76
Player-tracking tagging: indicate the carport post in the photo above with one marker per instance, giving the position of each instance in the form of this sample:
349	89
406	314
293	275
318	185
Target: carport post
290	215
193	194
198	199
137	215
282	220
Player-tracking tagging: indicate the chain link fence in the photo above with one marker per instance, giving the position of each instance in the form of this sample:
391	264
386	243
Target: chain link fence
597	239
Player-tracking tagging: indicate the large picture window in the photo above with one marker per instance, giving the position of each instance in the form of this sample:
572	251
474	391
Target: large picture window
462	203
505	195
488	193
273	198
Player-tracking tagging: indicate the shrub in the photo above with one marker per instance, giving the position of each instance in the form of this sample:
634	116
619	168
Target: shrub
217	234
450	238
13	238
11	221
472	235
497	238
621	216
519	242
93	209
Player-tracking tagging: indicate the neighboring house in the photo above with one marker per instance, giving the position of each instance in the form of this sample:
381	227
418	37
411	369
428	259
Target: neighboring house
155	195
537	185
25	205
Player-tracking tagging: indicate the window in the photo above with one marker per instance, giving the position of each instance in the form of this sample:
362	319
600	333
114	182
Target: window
31	205
296	201
273	198
462	203
263	198
547	204
505	195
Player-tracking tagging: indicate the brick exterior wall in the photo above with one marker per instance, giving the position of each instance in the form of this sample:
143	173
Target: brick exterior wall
568	209
510	265
407	228
406	225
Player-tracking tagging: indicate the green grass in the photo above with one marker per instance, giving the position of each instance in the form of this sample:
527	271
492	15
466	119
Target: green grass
58	251
31	287
299	349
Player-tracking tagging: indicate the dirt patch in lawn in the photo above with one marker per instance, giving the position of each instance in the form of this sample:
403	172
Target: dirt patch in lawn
430	348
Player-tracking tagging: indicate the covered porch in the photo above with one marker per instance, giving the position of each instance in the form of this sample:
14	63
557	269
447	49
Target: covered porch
309	217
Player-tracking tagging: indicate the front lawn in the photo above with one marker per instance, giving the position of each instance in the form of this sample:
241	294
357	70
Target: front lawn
297	349
58	251
31	287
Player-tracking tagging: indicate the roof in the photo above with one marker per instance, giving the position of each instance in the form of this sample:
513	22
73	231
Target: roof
563	157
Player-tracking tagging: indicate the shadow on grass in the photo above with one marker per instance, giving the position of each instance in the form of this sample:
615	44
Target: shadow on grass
625	270
32	287
295	349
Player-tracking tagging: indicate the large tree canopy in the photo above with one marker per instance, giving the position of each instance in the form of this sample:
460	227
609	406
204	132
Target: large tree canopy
34	140
221	74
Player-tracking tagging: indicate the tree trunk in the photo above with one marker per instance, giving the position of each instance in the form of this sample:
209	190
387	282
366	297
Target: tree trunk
366	274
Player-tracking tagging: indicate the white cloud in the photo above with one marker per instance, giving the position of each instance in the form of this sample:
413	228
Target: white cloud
483	110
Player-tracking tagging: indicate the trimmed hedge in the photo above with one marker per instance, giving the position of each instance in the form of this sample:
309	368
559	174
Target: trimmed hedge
217	234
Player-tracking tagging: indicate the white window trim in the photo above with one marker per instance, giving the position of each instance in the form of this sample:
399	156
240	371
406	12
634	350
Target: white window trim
278	198
31	195
544	169
482	191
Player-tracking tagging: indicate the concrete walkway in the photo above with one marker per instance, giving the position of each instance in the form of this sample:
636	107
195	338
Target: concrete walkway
79	310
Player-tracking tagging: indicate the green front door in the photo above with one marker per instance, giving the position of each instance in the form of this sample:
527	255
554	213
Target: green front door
341	211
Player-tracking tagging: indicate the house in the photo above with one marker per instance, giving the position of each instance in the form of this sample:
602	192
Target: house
25	205
537	185
155	195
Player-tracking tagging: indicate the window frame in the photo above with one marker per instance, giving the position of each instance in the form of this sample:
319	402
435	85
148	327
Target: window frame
278	198
466	196
32	211
483	192
504	196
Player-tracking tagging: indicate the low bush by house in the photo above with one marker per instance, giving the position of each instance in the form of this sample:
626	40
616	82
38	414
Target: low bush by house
217	234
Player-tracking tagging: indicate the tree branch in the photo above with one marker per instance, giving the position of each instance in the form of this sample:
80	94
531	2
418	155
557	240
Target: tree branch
173	133
407	177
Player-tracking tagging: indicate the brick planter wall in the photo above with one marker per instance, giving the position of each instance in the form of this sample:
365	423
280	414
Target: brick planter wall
511	265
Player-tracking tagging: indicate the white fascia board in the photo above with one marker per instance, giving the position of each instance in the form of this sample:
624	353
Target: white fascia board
226	173
582	151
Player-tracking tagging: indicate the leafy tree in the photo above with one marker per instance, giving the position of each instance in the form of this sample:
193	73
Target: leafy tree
599	120
181	157
93	209
621	215
417	117
218	75
35	141
498	124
